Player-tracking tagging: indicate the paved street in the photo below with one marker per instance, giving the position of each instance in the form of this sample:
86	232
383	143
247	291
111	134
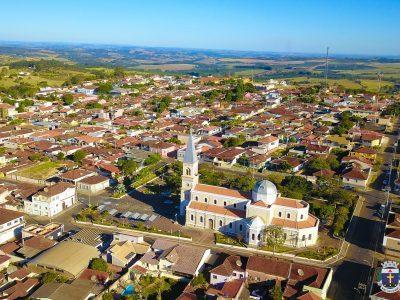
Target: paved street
363	240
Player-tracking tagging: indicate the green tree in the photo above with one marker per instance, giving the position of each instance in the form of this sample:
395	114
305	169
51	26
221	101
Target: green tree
152	159
79	155
296	187
341	217
60	156
326	186
98	264
119	190
160	105
175	140
67	99
104	88
211	177
119	72
276	292
93	105
244	160
243	183
284	166
173	177
273	236
327	212
50	277
154	285
199	281
35	157
234	141
128	167
318	164
108	296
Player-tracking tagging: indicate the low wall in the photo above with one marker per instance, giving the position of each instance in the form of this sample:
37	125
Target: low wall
160	235
16	177
276	254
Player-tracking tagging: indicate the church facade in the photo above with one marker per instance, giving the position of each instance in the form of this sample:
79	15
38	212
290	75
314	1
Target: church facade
240	214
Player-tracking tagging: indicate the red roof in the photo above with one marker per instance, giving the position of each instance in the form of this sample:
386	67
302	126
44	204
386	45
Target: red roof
94	275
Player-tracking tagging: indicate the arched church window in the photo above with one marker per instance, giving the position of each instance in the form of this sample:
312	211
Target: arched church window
253	236
196	198
201	219
220	222
188	171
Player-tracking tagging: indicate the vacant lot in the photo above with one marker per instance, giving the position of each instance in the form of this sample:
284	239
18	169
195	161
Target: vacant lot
368	84
42	170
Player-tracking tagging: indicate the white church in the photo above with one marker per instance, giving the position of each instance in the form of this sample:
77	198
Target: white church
242	214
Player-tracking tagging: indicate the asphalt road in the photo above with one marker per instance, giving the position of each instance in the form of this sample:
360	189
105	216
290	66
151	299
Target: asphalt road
353	276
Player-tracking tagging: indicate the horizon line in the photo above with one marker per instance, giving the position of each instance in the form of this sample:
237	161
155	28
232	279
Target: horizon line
292	53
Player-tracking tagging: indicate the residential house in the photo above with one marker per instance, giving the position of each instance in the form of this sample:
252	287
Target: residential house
123	253
168	258
11	225
51	200
232	268
391	239
93	184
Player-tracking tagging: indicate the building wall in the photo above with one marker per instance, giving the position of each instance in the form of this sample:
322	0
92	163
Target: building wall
355	182
391	246
43	206
92	188
11	230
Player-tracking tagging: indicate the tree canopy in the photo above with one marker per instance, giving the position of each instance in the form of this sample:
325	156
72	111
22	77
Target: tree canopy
98	264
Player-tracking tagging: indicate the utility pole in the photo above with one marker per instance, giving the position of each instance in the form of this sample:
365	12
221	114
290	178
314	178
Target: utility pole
380	75
326	68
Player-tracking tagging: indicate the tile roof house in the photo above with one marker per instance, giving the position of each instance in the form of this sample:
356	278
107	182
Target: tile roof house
51	200
232	268
260	269
228	290
170	258
123	253
11	224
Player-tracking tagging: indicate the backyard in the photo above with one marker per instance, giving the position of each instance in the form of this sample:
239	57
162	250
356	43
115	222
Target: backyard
42	170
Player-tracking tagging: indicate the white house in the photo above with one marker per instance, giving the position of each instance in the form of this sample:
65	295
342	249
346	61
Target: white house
51	200
11	225
93	184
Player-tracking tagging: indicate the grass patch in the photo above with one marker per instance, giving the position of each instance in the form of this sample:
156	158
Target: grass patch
224	239
278	249
41	170
320	253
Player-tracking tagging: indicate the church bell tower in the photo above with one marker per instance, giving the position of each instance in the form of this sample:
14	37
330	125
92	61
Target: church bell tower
190	176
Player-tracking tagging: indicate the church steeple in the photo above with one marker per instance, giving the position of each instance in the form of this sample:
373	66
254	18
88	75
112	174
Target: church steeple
190	156
190	175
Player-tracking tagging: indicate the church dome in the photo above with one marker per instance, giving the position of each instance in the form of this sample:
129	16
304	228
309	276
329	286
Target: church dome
265	191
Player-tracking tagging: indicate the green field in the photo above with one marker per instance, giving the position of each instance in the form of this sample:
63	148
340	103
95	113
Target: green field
41	171
368	84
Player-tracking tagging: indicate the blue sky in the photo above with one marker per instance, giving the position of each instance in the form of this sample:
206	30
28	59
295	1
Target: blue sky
347	26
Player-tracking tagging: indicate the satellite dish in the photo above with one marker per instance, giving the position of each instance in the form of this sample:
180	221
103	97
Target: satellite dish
300	272
239	263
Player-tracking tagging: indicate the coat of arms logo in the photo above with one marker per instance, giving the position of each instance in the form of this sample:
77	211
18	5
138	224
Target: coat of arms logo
389	279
